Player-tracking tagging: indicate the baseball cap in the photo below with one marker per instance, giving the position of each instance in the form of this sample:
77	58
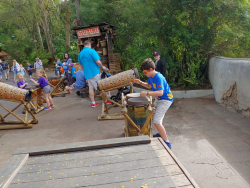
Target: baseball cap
71	64
155	53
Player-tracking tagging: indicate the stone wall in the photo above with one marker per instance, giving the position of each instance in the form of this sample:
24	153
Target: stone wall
230	78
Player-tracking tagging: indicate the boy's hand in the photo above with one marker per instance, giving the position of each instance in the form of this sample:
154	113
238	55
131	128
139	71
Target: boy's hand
27	84
137	81
143	94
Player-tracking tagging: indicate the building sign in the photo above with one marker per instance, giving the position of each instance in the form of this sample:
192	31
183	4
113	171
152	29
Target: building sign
88	32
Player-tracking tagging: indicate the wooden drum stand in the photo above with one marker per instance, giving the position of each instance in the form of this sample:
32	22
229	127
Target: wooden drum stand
146	127
105	115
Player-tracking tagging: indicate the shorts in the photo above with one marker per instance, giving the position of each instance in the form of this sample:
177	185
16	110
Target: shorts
30	72
74	79
161	108
6	71
46	89
16	71
93	81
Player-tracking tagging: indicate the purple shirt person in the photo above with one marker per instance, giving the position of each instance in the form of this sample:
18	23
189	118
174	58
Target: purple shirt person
20	83
43	82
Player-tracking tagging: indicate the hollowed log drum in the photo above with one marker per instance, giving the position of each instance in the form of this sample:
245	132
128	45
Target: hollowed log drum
39	99
138	112
117	80
9	92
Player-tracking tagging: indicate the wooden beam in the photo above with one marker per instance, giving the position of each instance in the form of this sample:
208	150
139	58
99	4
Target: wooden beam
81	146
8	172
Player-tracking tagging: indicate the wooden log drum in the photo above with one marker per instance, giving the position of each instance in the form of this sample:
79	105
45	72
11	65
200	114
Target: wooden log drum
18	95
119	80
57	85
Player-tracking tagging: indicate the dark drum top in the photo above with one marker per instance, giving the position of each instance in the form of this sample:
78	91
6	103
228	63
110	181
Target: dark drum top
53	77
31	87
138	102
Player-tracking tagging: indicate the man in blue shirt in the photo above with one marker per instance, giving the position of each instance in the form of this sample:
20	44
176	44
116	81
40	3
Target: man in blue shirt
89	60
161	91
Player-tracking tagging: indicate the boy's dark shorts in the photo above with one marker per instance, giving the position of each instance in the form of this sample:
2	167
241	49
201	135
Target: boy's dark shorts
30	72
74	79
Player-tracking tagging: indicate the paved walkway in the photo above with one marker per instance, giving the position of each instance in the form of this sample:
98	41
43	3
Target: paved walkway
212	142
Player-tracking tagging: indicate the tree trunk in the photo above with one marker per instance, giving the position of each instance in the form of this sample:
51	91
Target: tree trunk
46	29
78	14
67	46
39	36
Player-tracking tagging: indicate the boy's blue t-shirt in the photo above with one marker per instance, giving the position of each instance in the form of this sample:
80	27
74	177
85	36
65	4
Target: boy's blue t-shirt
72	72
87	58
158	82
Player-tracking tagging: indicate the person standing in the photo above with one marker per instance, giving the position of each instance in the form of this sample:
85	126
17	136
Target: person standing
16	69
160	65
161	91
38	64
29	68
89	61
6	69
67	72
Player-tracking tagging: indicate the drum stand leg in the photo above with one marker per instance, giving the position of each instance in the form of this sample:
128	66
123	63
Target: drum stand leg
105	115
23	123
59	87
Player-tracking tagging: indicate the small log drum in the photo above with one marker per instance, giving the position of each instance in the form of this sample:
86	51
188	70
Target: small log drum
138	112
117	80
39	99
54	81
14	93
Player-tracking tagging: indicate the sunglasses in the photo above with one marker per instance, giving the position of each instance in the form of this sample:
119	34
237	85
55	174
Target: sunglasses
146	71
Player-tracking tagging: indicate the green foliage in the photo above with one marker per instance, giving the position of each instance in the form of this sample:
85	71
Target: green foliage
187	32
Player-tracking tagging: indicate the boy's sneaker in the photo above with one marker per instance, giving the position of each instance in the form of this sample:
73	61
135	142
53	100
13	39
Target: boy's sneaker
108	102
47	108
168	144
78	93
52	105
94	105
158	134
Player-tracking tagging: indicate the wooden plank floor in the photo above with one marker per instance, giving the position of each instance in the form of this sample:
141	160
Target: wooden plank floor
151	165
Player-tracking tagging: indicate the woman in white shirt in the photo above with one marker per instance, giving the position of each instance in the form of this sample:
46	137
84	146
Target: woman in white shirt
16	69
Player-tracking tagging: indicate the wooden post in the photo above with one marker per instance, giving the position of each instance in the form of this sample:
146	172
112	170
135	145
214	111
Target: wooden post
104	100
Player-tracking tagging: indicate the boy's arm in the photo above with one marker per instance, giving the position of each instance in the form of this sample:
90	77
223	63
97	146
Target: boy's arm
152	93
144	84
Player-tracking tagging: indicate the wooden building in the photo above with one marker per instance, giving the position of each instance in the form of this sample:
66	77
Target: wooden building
4	55
101	36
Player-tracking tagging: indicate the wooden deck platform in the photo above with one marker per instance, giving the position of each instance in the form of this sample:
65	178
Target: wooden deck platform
129	162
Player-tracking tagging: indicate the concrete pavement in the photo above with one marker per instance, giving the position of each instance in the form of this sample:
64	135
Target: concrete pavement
211	141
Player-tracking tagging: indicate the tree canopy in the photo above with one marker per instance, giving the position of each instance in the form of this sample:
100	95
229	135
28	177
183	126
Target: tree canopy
186	32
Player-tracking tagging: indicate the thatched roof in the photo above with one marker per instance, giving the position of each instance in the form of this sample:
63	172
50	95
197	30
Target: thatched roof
2	53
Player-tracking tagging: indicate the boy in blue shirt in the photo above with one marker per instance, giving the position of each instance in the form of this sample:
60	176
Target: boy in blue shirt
58	67
161	91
